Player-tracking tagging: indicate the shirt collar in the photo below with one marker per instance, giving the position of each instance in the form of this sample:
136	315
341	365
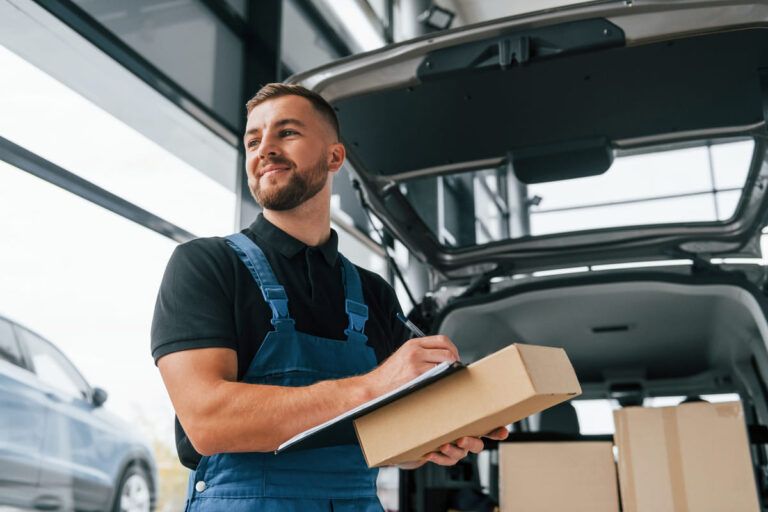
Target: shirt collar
289	246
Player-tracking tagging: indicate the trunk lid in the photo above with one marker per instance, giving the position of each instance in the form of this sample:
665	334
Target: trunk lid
607	132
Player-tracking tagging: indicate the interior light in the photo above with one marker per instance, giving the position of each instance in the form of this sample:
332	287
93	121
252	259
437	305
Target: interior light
643	264
559	271
437	18
737	261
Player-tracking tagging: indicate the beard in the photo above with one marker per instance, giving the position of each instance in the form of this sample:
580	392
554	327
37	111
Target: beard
301	186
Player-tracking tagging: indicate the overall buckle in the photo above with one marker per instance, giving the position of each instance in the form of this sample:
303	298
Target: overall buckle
358	314
277	299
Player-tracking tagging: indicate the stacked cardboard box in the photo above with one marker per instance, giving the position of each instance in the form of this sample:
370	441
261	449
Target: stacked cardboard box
547	477
691	458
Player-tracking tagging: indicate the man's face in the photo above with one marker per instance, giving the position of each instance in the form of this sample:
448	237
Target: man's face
287	152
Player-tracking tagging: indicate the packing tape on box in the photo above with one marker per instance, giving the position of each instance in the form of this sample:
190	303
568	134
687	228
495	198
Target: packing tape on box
729	410
625	460
674	459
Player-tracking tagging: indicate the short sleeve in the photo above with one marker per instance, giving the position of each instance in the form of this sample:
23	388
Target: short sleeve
398	333
194	306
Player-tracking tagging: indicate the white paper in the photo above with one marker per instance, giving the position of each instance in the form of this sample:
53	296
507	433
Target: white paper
438	369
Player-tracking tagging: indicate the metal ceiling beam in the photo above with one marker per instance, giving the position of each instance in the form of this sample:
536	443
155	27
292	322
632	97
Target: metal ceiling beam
261	65
256	37
27	161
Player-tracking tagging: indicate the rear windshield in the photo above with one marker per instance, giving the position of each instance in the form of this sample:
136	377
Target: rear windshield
700	182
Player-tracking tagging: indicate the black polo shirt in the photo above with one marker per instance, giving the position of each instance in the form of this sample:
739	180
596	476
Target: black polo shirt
209	299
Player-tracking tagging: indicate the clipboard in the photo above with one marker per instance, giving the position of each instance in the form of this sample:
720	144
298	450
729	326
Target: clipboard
341	430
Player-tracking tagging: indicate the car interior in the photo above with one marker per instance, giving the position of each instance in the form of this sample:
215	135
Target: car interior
630	337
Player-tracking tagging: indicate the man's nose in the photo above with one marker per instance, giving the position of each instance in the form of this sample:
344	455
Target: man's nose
269	147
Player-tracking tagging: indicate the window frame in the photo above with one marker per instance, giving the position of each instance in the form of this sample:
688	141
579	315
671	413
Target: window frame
22	362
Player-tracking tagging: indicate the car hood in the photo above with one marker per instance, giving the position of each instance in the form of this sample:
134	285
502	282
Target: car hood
551	94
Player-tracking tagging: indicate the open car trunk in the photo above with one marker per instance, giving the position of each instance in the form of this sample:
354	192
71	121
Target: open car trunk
631	336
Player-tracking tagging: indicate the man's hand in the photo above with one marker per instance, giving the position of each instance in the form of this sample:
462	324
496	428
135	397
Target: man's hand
451	453
415	357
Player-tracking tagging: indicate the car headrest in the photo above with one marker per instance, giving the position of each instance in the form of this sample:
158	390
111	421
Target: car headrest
561	418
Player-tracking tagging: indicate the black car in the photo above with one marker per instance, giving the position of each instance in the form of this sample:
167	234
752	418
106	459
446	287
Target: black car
591	177
59	448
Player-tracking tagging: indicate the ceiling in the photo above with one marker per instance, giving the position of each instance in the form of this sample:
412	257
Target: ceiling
475	11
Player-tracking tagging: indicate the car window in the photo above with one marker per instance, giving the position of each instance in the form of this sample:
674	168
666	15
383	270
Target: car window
696	182
595	416
9	347
52	367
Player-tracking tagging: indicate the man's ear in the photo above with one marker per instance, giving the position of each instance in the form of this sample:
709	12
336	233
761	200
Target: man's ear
336	155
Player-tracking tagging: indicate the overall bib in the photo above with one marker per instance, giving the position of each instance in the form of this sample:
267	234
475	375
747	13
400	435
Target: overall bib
334	478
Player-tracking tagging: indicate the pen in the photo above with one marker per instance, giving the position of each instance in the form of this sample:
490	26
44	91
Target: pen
410	325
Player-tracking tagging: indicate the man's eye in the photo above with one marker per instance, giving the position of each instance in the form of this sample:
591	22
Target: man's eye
287	133
252	143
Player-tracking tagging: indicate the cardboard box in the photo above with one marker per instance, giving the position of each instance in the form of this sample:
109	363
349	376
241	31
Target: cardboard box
497	390
558	476
690	458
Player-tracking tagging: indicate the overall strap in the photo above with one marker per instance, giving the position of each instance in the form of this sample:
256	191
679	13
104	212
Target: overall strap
354	304
256	263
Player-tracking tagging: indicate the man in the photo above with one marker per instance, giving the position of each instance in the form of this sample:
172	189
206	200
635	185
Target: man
261	335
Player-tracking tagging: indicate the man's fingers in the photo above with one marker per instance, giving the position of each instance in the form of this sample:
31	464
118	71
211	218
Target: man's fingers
499	434
438	355
439	342
440	459
472	444
450	453
453	451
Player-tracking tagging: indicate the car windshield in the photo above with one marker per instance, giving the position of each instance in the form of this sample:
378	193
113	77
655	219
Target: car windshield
691	183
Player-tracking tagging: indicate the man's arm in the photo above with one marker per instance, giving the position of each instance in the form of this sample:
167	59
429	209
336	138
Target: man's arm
220	414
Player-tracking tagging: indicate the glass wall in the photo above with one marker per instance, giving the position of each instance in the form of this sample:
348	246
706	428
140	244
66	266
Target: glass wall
81	276
78	275
46	117
85	279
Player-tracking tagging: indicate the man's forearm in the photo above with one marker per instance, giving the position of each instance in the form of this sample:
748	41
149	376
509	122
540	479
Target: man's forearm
242	417
221	414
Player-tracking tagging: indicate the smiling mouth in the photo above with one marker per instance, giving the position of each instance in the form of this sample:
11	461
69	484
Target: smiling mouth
272	170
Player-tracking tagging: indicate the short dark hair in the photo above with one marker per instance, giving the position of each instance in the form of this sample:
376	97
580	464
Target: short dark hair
277	90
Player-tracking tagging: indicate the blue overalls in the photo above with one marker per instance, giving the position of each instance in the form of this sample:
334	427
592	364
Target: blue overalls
335	478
